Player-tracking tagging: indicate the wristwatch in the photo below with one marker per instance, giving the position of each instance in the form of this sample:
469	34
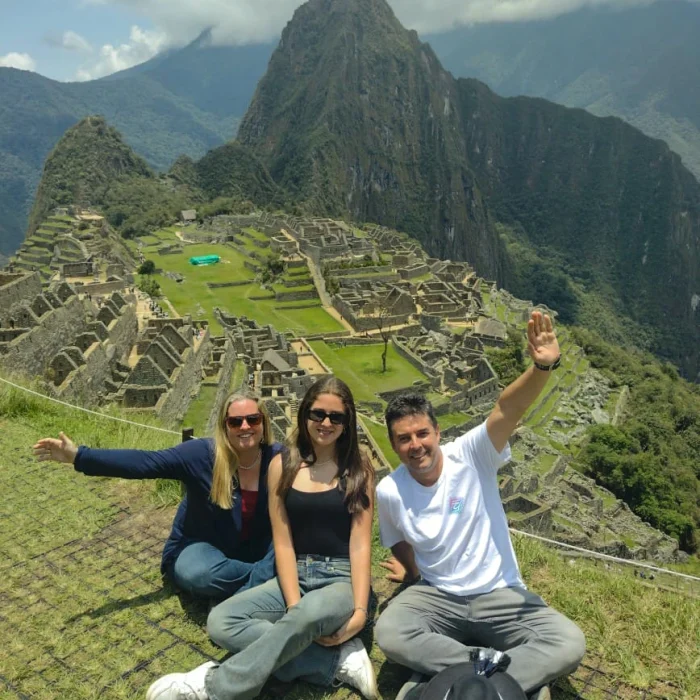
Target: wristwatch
549	368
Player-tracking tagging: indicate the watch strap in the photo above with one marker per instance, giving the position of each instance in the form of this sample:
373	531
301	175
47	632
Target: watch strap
549	368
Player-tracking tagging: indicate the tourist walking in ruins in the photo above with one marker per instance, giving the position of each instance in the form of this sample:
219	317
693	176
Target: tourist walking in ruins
303	623
440	513
221	538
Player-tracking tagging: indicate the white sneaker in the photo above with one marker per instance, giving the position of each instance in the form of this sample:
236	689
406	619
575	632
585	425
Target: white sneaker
355	669
181	686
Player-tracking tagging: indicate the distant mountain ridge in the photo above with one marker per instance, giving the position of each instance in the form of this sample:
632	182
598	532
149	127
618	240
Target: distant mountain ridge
185	101
356	117
640	63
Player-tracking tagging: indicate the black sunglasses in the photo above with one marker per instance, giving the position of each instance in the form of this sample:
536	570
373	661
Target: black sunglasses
237	421
318	415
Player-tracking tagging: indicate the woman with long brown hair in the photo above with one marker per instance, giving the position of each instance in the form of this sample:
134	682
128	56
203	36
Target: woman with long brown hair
303	623
221	536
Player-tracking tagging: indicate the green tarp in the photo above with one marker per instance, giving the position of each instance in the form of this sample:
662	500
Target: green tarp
205	260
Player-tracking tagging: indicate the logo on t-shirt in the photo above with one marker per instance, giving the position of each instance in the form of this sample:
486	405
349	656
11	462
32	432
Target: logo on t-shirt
456	505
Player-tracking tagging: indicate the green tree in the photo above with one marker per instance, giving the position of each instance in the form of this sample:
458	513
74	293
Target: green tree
147	267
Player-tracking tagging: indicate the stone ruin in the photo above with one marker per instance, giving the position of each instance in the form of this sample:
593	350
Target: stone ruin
85	340
166	367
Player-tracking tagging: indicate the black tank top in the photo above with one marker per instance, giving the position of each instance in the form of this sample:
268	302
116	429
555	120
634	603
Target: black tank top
320	522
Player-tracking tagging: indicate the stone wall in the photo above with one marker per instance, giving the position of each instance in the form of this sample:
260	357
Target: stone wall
78	269
222	285
89	381
84	384
295	296
102	288
416	361
173	405
228	363
31	353
15	288
369	269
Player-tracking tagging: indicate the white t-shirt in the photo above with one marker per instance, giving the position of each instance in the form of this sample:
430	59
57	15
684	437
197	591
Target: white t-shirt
457	527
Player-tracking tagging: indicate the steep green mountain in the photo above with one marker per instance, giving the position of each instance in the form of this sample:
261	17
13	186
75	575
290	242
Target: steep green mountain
184	101
235	171
639	63
92	166
90	160
356	117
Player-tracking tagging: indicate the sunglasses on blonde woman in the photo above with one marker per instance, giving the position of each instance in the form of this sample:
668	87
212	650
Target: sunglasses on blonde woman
318	415
252	419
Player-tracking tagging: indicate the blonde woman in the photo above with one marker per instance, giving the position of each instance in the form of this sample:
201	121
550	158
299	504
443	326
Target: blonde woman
221	537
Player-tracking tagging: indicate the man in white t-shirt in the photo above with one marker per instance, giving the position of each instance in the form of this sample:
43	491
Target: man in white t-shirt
440	513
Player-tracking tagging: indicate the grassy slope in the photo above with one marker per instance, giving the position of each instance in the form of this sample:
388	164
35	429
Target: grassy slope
85	615
90	619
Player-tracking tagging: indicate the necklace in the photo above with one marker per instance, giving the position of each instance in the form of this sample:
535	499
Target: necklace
324	463
253	464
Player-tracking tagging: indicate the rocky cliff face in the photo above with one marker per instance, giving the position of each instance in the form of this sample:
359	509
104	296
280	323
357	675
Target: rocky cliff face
356	117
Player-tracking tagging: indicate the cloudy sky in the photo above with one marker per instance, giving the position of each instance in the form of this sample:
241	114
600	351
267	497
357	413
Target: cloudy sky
85	39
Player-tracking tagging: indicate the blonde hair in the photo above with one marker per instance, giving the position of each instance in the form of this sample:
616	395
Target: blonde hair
225	475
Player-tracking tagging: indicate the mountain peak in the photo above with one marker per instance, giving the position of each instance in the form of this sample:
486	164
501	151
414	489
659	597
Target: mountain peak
89	158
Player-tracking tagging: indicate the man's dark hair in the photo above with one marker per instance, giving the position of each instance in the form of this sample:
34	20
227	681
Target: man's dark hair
408	405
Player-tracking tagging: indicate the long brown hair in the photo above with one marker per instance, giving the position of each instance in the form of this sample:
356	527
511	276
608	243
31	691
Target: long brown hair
225	474
354	470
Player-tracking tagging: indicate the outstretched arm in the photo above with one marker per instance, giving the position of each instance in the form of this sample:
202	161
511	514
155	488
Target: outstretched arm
517	397
179	462
62	450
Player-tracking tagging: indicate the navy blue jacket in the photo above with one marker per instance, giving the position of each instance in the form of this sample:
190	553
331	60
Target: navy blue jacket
197	518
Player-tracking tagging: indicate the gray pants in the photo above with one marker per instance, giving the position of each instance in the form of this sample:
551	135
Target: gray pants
429	630
268	641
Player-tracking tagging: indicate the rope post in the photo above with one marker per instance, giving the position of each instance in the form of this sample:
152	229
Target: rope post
187	434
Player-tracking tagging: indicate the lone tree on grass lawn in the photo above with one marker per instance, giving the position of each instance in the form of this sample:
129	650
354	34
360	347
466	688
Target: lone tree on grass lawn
382	323
148	267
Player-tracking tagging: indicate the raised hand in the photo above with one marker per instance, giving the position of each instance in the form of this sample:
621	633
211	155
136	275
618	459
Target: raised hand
61	450
542	342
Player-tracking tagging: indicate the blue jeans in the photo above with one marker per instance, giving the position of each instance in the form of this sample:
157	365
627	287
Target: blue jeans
268	641
204	570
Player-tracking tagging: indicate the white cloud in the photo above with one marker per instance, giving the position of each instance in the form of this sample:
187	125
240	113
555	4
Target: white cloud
249	21
143	44
74	42
69	40
23	61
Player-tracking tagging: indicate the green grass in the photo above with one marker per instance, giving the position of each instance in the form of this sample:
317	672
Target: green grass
258	235
193	294
86	615
447	420
199	410
382	439
237	376
543	462
361	367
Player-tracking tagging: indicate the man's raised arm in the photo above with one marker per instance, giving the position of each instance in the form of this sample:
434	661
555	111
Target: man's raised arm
518	396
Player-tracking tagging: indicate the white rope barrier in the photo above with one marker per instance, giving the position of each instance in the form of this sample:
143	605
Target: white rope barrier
620	560
600	555
87	410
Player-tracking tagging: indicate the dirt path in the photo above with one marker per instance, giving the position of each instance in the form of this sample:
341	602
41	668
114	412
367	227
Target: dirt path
332	311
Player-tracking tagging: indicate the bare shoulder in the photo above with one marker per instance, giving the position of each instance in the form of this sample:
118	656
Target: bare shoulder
275	469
